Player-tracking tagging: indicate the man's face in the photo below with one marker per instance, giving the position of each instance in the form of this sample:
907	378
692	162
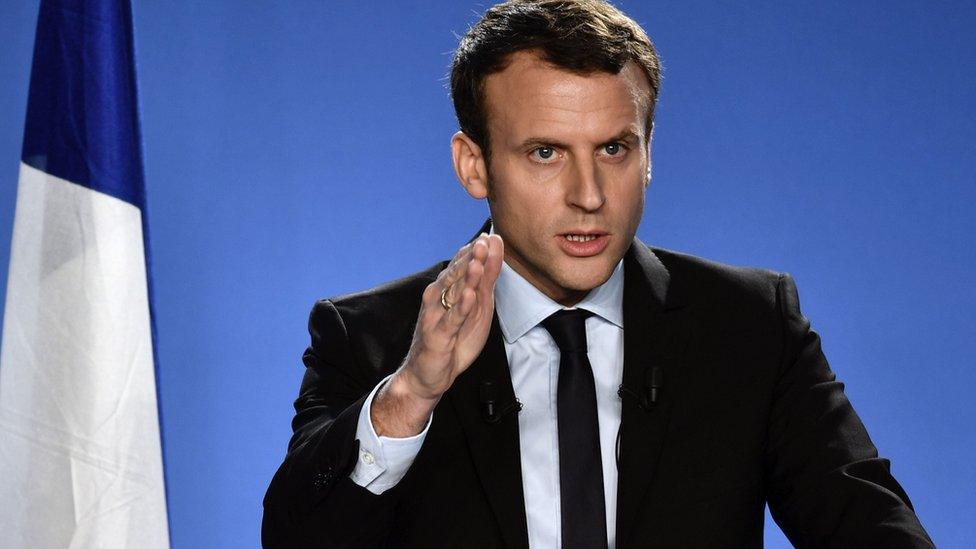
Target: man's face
569	162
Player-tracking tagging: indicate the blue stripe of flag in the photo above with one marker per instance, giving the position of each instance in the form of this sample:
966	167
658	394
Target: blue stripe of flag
82	117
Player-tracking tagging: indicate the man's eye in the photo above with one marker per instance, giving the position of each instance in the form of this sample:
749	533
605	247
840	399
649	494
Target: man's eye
544	153
613	149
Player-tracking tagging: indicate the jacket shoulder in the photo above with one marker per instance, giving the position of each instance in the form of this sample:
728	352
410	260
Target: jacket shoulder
737	310
375	324
378	299
718	285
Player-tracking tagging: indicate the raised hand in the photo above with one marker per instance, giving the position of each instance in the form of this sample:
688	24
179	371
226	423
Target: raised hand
452	327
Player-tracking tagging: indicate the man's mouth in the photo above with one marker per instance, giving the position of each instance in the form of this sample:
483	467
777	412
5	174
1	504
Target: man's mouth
580	237
583	243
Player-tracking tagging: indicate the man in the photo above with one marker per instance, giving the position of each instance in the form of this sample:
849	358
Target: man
558	383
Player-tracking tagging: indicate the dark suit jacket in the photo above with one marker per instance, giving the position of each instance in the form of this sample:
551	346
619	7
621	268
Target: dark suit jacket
750	413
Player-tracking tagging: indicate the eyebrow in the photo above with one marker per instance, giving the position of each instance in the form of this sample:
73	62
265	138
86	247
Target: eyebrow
623	135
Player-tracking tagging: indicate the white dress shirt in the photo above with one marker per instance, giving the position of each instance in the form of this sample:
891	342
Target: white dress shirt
533	360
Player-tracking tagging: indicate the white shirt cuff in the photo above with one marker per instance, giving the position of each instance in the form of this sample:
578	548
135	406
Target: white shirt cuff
383	461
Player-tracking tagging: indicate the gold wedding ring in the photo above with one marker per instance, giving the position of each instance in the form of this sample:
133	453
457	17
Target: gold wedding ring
447	306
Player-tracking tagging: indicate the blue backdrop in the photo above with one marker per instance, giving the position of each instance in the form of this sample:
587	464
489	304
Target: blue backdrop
299	152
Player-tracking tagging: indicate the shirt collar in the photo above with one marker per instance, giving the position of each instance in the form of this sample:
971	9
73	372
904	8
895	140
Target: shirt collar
521	306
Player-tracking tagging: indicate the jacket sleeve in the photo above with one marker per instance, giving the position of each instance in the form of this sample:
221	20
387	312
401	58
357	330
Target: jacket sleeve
312	501
827	487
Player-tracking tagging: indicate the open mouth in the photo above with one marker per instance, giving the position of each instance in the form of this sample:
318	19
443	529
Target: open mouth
583	244
580	237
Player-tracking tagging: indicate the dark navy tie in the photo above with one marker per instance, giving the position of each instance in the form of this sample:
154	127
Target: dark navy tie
583	512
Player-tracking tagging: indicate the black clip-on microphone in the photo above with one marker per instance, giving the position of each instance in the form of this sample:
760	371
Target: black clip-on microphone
650	394
490	410
646	399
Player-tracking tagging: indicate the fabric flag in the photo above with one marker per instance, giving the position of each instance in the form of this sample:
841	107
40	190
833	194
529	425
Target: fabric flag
80	448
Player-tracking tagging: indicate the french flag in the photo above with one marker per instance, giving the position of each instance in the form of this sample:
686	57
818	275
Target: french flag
80	449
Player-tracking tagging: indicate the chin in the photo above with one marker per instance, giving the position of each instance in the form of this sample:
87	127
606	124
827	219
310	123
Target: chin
589	278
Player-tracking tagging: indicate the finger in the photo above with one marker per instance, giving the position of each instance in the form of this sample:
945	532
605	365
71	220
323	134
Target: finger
479	248
455	270
472	276
456	281
452	322
451	272
496	254
450	276
493	266
433	308
453	319
468	301
475	270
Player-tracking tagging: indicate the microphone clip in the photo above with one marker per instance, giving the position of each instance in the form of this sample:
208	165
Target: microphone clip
648	397
491	411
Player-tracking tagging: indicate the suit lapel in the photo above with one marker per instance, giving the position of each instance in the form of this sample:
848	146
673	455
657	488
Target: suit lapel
657	329
494	446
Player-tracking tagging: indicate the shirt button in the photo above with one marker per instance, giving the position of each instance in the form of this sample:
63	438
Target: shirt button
368	458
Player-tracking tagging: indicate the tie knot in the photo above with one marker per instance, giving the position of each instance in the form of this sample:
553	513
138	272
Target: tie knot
568	329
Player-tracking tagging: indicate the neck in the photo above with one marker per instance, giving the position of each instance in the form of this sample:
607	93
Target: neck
567	297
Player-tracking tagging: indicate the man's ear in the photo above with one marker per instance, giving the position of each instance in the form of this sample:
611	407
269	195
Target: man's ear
469	165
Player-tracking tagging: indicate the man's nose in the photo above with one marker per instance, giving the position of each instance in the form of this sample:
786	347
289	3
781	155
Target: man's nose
585	187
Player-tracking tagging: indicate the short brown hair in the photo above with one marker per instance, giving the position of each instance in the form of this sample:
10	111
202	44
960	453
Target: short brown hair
581	36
